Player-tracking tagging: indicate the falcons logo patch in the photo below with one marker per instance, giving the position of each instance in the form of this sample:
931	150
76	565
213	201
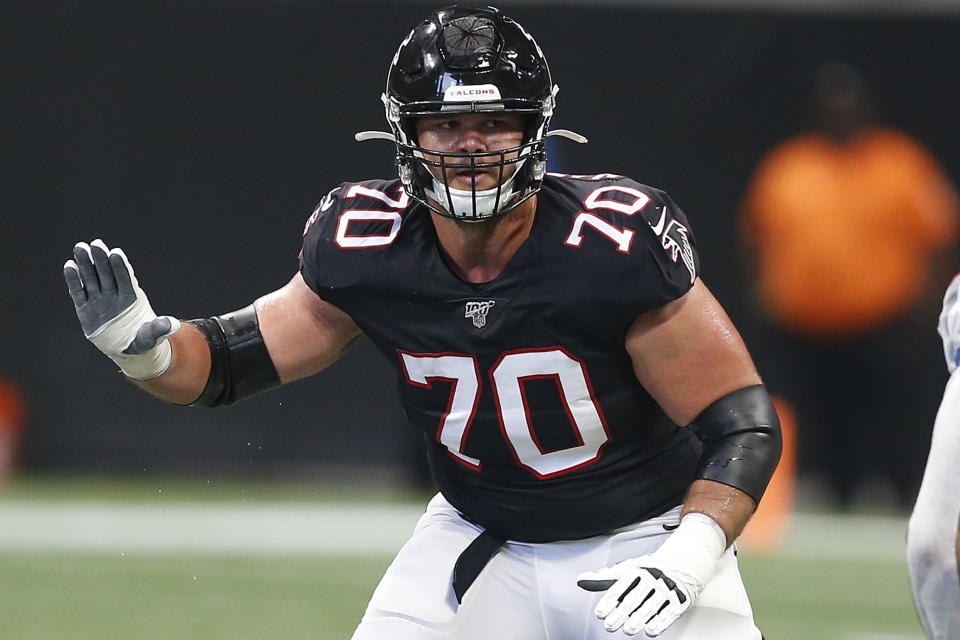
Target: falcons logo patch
676	242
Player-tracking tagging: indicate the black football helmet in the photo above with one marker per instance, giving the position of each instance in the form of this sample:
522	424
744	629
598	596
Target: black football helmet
469	59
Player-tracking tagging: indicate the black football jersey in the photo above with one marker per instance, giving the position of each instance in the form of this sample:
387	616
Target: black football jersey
537	427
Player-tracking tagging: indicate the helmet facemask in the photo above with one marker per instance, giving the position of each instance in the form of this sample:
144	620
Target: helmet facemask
462	60
432	188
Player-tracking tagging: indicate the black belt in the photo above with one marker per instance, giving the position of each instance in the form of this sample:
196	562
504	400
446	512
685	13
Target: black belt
472	561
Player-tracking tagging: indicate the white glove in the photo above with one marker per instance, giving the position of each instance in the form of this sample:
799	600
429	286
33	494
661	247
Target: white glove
114	312
948	326
651	592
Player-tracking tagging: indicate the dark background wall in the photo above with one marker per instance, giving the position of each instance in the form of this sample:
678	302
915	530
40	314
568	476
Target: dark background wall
199	135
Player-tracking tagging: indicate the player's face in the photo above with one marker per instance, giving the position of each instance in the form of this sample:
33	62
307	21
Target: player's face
473	133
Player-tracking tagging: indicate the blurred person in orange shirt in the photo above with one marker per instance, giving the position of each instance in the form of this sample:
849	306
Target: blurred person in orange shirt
846	225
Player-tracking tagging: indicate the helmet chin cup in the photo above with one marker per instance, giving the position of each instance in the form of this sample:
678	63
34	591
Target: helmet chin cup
469	206
474	205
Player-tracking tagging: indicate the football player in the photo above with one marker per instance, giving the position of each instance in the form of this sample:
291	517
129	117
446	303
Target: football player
597	429
933	533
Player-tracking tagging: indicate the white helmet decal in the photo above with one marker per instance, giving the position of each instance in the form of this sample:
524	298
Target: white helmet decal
471	93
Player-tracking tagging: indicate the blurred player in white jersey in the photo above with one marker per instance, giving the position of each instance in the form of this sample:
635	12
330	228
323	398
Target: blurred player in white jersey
933	534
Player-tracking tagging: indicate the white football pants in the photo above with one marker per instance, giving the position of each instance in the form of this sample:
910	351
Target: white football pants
529	591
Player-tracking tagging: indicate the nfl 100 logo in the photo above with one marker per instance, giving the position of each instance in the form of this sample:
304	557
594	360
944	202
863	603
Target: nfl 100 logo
477	311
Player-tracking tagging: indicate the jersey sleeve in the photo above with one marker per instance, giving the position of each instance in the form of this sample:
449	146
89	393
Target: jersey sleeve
632	242
666	249
317	241
672	246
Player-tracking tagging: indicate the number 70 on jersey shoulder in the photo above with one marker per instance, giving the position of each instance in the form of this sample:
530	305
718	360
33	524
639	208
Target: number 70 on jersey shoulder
621	237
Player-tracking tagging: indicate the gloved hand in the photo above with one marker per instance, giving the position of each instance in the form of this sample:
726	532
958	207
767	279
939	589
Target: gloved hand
651	592
114	312
948	325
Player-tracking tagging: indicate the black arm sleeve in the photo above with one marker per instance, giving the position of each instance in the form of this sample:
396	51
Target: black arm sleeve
742	440
240	365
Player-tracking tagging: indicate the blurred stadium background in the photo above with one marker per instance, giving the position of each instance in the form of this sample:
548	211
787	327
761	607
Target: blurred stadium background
199	135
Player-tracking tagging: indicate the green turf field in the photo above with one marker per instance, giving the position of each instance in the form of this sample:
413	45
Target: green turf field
87	597
830	599
81	597
828	585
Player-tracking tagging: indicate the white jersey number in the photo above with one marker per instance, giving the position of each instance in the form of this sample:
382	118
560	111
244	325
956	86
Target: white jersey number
508	376
464	375
346	240
623	238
